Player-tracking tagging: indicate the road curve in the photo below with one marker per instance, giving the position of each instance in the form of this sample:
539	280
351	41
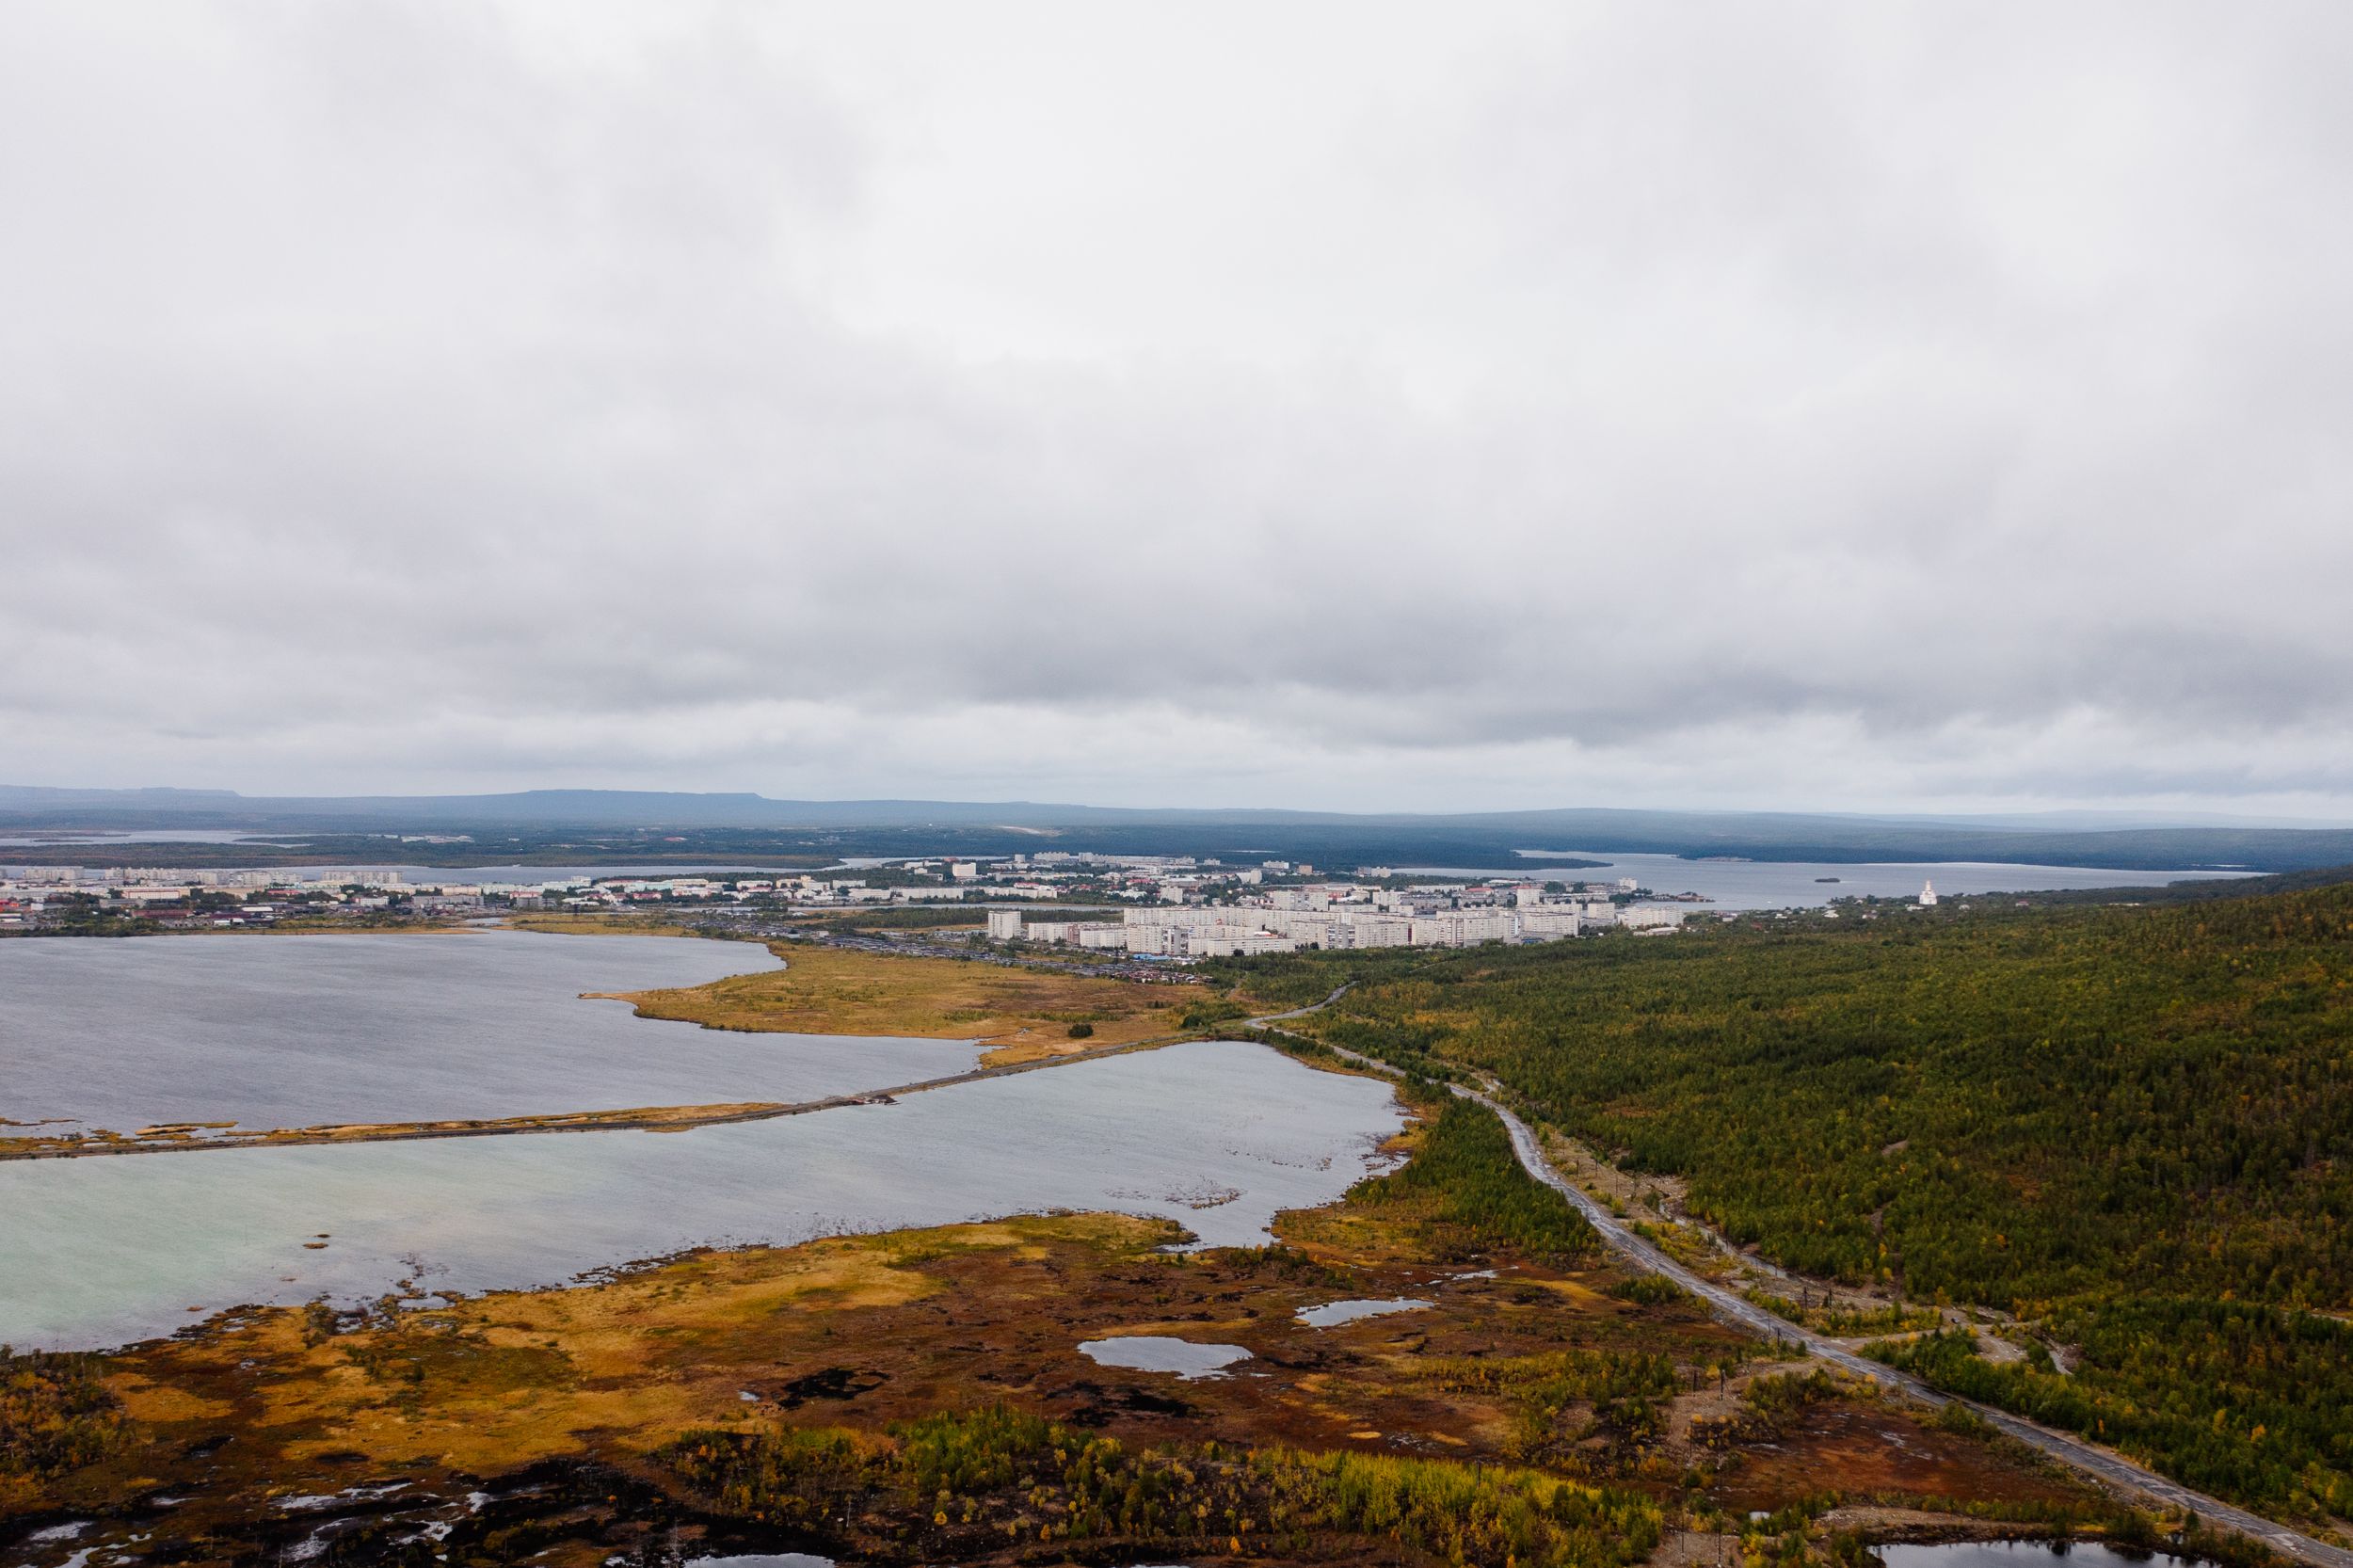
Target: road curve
2101	1463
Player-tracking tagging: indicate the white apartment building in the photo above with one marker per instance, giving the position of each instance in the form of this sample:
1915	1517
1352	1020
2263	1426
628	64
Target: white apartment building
1159	941
1381	931
1004	925
1463	929
1235	944
1203	932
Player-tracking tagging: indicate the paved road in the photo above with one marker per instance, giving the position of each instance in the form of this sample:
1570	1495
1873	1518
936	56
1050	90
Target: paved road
2090	1458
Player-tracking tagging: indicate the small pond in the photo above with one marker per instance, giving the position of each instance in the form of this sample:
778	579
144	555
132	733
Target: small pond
1333	1312
1155	1353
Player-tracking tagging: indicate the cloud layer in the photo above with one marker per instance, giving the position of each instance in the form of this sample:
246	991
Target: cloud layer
1834	407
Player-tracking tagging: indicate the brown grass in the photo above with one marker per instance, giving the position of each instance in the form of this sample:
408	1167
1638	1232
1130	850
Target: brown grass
1022	1014
564	923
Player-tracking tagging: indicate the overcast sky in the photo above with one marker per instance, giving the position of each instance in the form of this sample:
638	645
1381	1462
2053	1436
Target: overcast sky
1862	407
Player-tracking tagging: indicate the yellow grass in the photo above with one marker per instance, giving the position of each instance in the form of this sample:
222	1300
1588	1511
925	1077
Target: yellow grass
569	924
1022	1014
501	1381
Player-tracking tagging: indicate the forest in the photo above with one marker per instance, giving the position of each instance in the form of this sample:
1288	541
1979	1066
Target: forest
2237	1400
1470	1195
2133	1126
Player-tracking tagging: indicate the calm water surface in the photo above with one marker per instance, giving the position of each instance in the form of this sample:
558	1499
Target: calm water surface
289	1031
2025	1554
154	836
1332	1314
1795	885
102	1250
1157	1353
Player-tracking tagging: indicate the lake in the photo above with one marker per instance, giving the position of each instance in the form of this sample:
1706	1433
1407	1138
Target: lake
1796	884
295	1031
1218	1136
150	836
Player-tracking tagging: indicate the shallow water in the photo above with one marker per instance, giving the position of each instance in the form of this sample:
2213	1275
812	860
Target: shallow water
2025	1554
290	1031
151	835
1157	1352
102	1250
1333	1312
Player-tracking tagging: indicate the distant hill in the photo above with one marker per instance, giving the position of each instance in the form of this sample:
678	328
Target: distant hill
1341	839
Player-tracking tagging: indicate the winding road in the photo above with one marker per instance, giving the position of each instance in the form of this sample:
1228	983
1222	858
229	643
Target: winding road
2099	1463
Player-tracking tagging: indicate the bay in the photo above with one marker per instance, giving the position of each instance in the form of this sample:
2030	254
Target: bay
1811	884
295	1031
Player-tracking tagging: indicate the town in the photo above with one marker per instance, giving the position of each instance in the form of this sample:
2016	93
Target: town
1351	915
1176	909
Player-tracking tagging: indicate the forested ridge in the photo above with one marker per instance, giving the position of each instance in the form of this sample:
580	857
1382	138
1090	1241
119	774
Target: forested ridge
2132	1126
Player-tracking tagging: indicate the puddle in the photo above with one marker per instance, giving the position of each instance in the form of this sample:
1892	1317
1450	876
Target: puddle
1333	1312
759	1559
1154	1353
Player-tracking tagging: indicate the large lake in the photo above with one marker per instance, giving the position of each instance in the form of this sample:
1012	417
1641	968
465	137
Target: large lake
1800	883
272	1031
1219	1136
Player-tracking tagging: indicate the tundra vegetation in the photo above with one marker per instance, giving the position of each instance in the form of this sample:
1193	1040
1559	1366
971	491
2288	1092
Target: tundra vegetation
1020	1013
919	1397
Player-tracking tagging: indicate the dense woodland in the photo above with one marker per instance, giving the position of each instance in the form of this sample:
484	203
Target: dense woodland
2240	1400
1470	1193
2133	1127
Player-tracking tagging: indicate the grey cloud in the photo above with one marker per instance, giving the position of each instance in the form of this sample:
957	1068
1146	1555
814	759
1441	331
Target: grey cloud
1846	408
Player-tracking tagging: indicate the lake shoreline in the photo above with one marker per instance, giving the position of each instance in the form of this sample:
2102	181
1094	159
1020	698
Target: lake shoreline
677	1118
